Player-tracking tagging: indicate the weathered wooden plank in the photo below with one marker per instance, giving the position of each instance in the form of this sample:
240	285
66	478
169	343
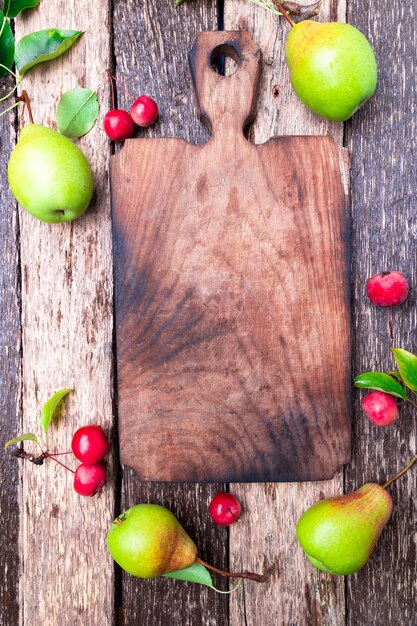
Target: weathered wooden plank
67	342
296	594
384	183
10	379
151	44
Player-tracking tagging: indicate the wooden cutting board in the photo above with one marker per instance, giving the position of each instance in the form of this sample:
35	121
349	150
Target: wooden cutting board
232	293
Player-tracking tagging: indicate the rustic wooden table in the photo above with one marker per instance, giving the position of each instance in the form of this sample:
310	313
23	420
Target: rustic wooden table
57	331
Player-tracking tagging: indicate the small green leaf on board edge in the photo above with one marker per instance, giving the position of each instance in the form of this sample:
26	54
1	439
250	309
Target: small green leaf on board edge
380	382
43	45
197	573
17	6
407	365
49	409
77	112
7	45
19	438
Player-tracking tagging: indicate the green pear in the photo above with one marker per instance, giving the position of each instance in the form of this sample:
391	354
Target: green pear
49	175
147	541
339	534
332	67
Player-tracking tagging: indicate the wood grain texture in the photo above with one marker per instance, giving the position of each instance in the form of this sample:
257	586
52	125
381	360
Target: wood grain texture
384	183
297	594
68	574
151	45
215	268
10	378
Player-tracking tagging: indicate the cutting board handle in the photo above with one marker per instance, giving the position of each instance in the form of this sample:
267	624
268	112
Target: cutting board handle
225	103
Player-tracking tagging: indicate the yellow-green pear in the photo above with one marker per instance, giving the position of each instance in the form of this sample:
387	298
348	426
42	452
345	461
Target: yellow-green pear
332	67
339	534
49	175
147	541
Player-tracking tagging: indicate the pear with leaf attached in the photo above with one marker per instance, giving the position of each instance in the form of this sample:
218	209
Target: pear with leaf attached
147	541
339	534
332	67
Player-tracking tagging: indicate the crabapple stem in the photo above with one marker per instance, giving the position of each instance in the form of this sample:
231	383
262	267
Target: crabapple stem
59	463
259	578
284	13
391	332
119	83
113	105
403	471
59	453
25	98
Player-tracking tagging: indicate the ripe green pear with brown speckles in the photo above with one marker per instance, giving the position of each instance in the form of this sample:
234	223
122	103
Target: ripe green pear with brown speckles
339	534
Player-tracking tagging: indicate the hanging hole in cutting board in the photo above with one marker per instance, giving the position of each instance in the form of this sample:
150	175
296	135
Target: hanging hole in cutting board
225	60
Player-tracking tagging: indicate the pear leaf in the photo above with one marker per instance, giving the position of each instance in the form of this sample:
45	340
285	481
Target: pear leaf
77	112
407	365
50	409
43	45
7	45
19	438
12	8
196	574
380	382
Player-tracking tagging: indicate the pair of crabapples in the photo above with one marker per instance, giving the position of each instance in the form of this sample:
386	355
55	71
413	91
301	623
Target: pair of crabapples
90	445
386	289
120	124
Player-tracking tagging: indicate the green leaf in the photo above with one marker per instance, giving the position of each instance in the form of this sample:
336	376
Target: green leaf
43	45
395	374
380	382
7	46
12	8
407	364
196	574
50	409
25	437
77	112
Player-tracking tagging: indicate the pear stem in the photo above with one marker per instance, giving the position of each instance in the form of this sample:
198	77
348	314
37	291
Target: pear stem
403	471
25	98
247	575
284	13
